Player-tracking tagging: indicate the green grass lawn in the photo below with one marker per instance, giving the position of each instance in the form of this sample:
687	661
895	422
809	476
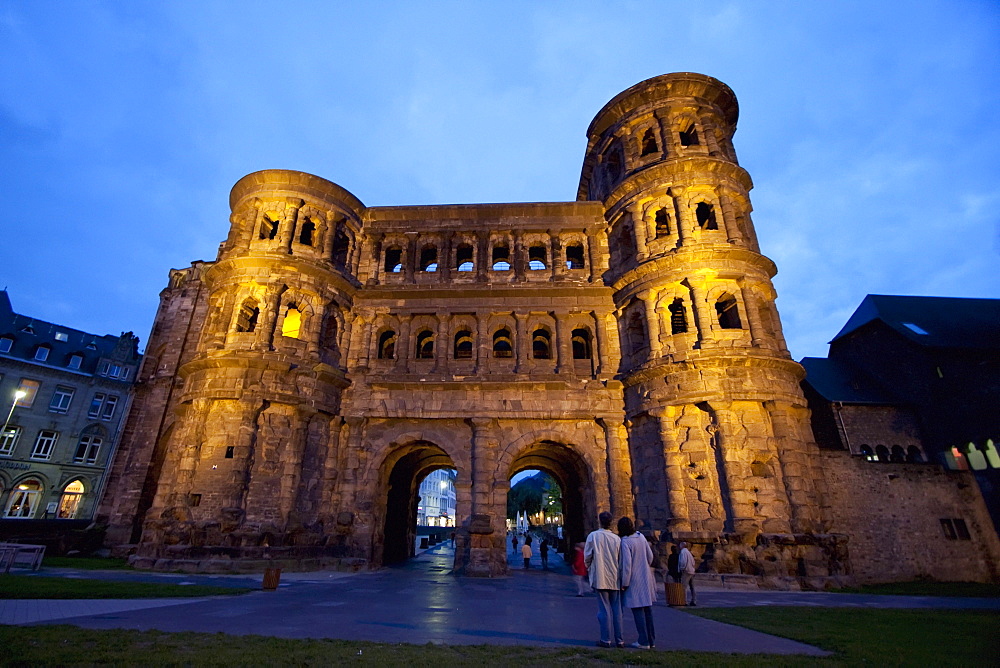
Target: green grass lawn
858	636
921	588
34	586
86	563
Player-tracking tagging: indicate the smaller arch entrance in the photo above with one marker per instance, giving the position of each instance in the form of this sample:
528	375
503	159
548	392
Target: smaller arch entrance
402	475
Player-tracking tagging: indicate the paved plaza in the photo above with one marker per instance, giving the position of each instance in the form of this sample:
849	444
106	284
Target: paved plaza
422	602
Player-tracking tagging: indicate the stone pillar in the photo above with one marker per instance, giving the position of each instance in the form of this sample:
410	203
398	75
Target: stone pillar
403	343
487	553
600	347
685	221
483	347
729	219
753	314
521	343
441	344
702	314
619	468
519	259
557	258
287	232
483	262
375	256
638	230
734	453
268	317
648	298
595	242
445	259
564	356
364	335
410	256
680	518
795	465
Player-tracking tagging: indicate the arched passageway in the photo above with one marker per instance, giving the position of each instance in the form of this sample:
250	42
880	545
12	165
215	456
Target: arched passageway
406	469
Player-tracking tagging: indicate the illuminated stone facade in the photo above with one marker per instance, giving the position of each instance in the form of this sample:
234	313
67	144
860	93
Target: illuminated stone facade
297	389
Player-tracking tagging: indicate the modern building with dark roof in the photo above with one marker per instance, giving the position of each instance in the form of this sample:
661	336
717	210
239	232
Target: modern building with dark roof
914	379
63	396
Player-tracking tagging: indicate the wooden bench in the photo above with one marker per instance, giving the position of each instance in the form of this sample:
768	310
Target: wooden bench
17	555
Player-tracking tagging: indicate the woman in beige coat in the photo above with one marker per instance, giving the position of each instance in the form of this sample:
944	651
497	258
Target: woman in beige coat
638	583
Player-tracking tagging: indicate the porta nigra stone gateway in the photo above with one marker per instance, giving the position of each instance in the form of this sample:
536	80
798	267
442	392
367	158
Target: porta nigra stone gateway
297	389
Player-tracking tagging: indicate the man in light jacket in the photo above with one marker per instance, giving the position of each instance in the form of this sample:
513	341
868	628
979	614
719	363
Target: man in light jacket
601	554
686	564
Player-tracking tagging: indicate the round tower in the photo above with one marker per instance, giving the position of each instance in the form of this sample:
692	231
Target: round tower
250	460
718	431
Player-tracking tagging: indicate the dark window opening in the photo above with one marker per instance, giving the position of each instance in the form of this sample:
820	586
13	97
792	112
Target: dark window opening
636	334
868	453
581	344
394	260
307	232
230	451
689	137
428	258
962	530
268	228
425	345
536	258
341	246
246	320
614	164
387	345
501	258
914	455
540	344
502	344
330	332
949	529
194	500
678	317
882	453
463	345
574	256
897	455
705	215
649	143
728	311
464	258
662	223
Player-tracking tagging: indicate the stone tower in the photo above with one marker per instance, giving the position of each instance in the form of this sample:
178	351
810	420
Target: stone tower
718	430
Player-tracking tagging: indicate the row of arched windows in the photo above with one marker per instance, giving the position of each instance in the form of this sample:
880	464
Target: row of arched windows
464	260
308	232
463	344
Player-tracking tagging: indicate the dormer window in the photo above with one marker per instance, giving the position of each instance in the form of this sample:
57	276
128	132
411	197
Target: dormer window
28	329
41	353
91	346
62	336
75	361
6	343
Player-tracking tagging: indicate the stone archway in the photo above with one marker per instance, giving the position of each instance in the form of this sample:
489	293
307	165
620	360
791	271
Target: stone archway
400	478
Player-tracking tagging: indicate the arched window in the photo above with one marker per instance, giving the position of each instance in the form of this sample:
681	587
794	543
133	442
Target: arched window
728	312
636	333
429	258
341	247
536	257
268	228
425	345
705	214
292	324
662	220
69	502
897	454
393	260
501	258
689	137
868	453
307	232
24	499
387	345
882	453
502	345
89	446
463	345
330	331
246	319
649	143
574	256
541	344
914	455
464	258
581	344
614	163
678	316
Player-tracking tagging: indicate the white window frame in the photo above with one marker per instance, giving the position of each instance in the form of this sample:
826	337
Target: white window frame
110	404
8	440
45	443
87	449
6	343
30	388
22	498
62	397
69	502
75	361
96	405
42	353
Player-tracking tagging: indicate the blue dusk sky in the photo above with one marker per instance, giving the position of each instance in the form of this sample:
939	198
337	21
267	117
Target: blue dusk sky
871	130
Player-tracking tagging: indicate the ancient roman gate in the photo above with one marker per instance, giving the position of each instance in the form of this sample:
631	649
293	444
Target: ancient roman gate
297	389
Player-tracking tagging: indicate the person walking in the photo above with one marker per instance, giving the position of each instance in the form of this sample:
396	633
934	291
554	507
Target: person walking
543	549
513	543
686	565
672	569
602	555
638	582
526	552
579	569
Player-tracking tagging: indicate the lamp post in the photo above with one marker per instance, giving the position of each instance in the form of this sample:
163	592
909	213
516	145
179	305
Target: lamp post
20	394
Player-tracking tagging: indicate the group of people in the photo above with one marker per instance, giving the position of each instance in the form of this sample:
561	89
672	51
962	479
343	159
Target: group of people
543	550
619	568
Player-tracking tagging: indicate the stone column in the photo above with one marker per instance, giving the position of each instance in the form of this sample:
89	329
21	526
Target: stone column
734	453
364	334
795	466
441	344
410	256
648	298
403	343
702	314
594	246
445	259
619	468
483	347
482	256
287	232
268	317
753	314
638	230
674	461
374	261
729	219
487	552
521	343
519	259
564	357
685	221
557	258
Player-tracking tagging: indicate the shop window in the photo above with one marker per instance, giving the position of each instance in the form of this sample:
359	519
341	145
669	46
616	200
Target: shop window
541	345
649	143
678	316
307	232
464	255
536	258
69	502
44	444
387	345
574	256
581	344
291	326
246	319
662	220
501	258
394	260
728	312
425	345
463	345
24	499
704	213
502	344
268	228
428	258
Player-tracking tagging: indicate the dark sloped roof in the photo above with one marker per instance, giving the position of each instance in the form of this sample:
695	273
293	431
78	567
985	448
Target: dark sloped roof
939	322
836	381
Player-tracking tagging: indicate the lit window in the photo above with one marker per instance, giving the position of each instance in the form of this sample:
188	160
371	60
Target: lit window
24	499
30	389
41	353
75	361
9	440
62	336
5	344
69	503
61	399
44	443
87	450
292	324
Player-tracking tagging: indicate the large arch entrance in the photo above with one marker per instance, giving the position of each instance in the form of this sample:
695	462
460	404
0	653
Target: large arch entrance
402	474
572	474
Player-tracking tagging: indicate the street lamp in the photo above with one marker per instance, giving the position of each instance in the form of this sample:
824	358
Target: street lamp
20	394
